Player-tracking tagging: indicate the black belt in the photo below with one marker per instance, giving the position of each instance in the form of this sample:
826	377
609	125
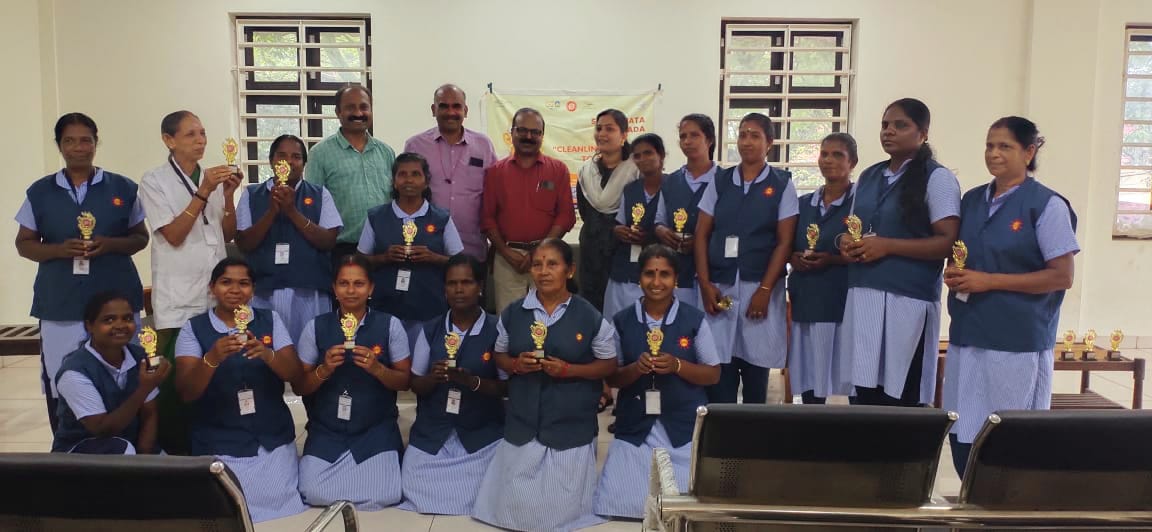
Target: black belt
523	246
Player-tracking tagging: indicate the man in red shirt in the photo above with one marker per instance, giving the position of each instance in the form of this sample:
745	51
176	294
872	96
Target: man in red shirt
527	198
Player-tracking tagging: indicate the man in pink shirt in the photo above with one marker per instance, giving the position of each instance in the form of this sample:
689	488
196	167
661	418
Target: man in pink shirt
457	158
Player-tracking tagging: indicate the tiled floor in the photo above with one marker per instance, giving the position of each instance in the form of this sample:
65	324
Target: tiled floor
24	428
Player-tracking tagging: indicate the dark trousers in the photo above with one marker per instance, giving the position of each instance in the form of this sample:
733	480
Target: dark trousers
754	378
109	445
960	452
911	395
172	430
52	402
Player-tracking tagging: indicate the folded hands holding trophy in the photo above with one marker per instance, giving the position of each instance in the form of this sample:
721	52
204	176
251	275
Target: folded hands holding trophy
678	240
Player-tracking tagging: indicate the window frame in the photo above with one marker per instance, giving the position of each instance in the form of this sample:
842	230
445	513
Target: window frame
1133	33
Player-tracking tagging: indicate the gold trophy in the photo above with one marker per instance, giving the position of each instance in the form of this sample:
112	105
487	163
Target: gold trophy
539	332
282	169
855	227
409	232
1069	341
680	219
655	339
1089	345
243	316
724	303
637	215
452	346
148	342
813	235
959	258
231	150
86	222
1114	339
349	324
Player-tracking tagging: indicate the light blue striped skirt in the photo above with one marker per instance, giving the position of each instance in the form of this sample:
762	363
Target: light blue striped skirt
269	481
978	382
296	306
879	336
535	488
762	342
814	360
371	485
624	482
446	483
619	296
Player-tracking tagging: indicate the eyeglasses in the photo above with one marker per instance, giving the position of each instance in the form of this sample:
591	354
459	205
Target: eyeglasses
523	131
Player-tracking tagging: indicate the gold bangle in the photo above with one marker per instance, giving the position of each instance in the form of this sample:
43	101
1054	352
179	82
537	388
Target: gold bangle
477	384
209	364
189	213
317	372
227	212
677	366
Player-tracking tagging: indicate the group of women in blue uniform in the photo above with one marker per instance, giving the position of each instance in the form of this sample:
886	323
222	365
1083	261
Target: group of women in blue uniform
706	262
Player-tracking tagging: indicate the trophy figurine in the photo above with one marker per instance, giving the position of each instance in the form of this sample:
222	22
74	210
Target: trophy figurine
243	316
1114	339
959	258
813	235
148	342
349	324
452	346
282	170
655	339
231	150
680	219
1069	341
724	303
637	215
855	227
1090	345
539	332
86	222
409	232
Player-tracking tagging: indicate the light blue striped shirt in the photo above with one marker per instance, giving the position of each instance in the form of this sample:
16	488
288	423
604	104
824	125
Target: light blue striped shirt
188	346
27	218
81	395
452	243
397	342
603	344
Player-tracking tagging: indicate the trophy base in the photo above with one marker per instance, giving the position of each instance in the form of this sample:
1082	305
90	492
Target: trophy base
451	362
241	336
1067	356
349	345
153	363
1114	356
808	252
1088	356
539	353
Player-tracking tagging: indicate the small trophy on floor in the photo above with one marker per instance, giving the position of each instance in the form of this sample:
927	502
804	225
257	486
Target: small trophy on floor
1114	339
1069	341
1090	345
148	342
452	346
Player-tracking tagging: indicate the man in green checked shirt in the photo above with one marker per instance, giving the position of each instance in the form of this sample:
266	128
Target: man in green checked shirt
355	167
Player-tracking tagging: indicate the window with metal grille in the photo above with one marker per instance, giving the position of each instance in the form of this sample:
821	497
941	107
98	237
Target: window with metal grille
797	73
288	72
1134	192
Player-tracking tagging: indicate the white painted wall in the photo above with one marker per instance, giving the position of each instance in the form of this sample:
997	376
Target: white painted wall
1057	61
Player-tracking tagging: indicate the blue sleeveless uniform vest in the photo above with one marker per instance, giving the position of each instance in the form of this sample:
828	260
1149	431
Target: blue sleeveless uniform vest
819	296
750	216
878	206
424	299
1005	243
624	270
559	412
307	266
678	195
481	418
372	428
678	397
58	294
70	431
216	426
